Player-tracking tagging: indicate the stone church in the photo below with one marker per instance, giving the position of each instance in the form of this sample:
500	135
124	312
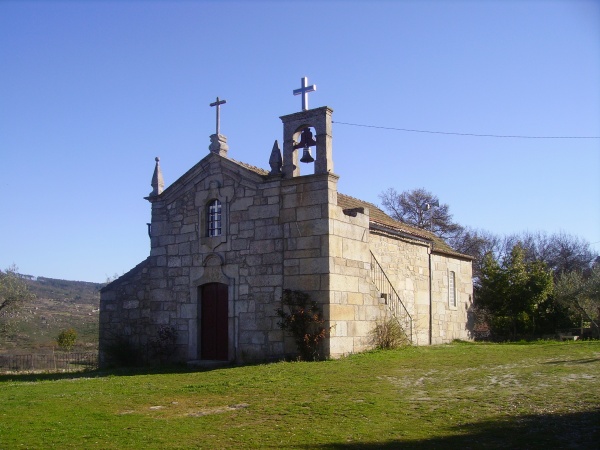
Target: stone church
227	238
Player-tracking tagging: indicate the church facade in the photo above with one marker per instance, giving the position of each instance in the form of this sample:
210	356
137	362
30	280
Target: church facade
228	238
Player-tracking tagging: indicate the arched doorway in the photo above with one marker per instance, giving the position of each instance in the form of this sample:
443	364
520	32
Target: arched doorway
213	332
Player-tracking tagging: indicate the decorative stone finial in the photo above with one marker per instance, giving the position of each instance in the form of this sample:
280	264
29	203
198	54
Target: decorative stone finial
275	160
158	183
218	144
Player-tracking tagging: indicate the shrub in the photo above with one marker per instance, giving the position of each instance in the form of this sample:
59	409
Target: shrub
388	334
121	352
66	339
304	321
163	346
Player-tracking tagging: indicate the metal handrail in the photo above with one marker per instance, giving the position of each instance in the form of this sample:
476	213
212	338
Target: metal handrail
391	297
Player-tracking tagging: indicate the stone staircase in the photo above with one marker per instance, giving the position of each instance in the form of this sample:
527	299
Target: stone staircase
391	298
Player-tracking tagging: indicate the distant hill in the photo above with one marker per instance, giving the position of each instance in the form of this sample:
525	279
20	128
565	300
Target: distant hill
78	291
59	304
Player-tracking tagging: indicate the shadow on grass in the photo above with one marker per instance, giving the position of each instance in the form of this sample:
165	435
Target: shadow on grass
574	361
544	431
99	373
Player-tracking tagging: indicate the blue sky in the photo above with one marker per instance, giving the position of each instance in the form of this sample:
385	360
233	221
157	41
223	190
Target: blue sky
91	92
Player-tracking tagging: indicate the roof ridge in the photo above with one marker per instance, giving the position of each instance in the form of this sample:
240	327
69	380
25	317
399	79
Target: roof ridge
256	169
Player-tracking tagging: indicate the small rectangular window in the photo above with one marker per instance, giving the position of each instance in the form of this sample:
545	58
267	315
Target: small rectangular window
452	289
213	222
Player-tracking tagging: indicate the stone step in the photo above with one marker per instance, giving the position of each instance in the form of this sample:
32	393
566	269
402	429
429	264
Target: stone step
208	364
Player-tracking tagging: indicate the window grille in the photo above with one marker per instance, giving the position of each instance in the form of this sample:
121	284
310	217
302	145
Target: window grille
213	224
452	289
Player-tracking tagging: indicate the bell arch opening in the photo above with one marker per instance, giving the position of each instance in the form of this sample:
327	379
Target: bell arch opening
305	142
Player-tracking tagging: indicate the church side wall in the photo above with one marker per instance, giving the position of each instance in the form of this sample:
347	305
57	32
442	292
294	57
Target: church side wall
423	283
406	264
125	312
354	307
451	321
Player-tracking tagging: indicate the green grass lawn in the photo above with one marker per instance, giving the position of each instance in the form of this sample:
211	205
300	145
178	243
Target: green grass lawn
542	395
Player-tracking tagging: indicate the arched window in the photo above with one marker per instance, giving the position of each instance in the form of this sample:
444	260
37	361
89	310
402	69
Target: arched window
213	218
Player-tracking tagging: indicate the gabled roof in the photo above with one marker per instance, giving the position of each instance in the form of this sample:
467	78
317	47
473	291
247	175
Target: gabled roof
193	171
257	170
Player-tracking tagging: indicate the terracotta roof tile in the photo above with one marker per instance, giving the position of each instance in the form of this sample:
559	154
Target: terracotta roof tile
257	170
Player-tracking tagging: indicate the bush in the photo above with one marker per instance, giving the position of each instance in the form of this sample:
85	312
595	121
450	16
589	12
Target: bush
388	334
304	321
163	346
121	352
66	339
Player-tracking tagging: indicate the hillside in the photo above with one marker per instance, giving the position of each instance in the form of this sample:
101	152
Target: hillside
59	304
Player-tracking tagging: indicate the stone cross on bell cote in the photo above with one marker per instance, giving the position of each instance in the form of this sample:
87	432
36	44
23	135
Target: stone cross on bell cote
303	91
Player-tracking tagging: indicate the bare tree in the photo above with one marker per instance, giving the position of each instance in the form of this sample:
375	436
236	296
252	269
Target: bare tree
561	252
421	209
477	243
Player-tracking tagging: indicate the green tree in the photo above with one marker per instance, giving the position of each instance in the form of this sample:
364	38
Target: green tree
581	294
13	294
66	339
511	291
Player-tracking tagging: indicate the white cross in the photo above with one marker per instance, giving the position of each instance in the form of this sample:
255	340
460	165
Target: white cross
304	90
218	104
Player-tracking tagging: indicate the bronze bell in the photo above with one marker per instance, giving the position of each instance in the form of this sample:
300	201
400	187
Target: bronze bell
306	156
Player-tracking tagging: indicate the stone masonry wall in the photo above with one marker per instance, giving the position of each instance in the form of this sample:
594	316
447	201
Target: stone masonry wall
275	237
406	263
451	322
248	258
306	225
354	308
410	274
277	234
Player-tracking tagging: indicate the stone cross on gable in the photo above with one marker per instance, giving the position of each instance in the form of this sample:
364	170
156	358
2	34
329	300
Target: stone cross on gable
304	90
218	104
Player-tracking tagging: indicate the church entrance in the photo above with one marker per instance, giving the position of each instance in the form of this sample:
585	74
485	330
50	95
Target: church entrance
214	332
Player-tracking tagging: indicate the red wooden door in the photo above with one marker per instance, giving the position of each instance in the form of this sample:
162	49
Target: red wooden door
214	332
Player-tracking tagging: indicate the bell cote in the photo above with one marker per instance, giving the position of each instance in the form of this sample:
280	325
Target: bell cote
298	138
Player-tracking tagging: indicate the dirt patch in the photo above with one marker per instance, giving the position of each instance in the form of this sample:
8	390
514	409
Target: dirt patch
218	410
175	409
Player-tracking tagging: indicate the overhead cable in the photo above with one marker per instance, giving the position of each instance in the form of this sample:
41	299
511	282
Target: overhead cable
468	134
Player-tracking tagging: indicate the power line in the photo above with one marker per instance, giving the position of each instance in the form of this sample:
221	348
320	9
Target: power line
468	134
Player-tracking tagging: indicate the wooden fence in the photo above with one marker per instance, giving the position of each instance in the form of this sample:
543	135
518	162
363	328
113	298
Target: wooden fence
49	362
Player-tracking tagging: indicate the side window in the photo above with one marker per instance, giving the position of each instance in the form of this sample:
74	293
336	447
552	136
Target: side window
213	218
452	289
